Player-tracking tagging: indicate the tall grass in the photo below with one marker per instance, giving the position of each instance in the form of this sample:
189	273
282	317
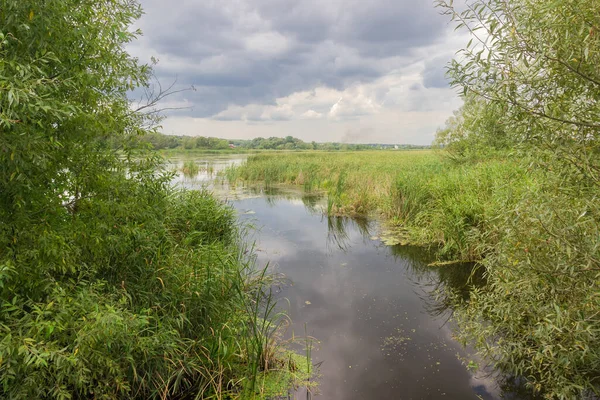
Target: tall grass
435	200
190	168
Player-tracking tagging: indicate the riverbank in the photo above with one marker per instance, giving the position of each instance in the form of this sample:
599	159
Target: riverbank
180	152
144	291
434	201
533	232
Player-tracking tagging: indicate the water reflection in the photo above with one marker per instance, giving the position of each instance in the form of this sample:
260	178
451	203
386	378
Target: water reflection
444	287
337	228
379	312
364	302
313	202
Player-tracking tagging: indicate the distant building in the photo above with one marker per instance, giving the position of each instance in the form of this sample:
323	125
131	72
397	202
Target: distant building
231	146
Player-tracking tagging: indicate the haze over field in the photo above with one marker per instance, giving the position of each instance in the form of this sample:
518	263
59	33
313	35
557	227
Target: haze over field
349	71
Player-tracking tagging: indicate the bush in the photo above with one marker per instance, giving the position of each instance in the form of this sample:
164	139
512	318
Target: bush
112	284
150	299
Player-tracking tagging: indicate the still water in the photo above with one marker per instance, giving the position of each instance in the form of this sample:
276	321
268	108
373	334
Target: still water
381	334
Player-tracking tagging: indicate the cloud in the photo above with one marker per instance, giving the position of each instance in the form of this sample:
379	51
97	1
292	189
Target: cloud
311	114
286	60
351	103
434	74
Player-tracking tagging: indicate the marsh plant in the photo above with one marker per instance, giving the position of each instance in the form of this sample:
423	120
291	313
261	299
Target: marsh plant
514	189
113	285
531	228
190	169
526	218
536	64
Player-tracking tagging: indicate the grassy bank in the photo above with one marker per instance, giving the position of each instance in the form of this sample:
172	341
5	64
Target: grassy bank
534	232
180	152
113	285
141	292
433	200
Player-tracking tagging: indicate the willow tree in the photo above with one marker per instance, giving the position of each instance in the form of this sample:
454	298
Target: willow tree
64	75
477	130
539	59
539	62
107	285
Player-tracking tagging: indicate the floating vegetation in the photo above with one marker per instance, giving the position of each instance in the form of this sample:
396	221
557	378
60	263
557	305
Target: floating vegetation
394	237
396	344
444	263
190	168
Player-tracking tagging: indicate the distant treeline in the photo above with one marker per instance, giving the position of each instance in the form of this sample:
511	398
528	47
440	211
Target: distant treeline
160	142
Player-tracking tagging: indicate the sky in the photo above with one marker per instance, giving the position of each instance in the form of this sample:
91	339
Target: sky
352	71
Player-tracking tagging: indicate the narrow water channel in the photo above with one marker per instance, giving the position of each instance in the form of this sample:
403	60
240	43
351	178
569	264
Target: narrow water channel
381	334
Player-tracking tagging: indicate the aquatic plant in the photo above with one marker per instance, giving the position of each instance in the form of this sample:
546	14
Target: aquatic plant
438	202
190	168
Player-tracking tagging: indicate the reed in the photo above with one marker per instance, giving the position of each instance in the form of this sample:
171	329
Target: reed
166	302
190	168
438	202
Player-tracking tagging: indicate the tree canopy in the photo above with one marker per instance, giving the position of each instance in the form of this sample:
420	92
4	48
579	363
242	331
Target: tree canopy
531	79
539	60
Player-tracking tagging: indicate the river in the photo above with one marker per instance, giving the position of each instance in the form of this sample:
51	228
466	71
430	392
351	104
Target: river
380	333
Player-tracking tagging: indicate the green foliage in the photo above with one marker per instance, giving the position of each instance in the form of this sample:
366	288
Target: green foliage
535	234
542	299
155	301
291	143
478	129
113	285
189	143
355	184
538	63
439	202
207	144
159	141
537	59
190	168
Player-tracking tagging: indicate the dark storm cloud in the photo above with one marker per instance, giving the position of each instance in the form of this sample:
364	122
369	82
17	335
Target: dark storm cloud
241	52
434	75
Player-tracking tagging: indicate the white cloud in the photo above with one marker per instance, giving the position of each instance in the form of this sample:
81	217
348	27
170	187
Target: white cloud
311	114
267	43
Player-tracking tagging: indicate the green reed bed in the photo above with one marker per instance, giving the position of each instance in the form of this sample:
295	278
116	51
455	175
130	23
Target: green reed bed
434	200
190	168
